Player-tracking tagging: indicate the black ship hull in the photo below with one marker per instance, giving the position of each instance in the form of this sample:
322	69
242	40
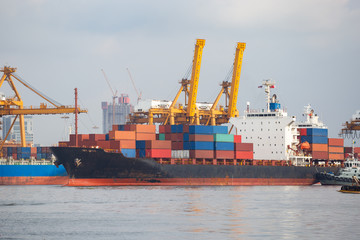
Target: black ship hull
95	167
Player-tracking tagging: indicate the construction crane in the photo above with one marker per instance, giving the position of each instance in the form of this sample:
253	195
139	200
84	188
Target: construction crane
352	128
15	106
133	83
114	96
216	116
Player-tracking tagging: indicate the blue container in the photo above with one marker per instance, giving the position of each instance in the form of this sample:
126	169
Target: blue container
228	146
176	128
198	145
9	150
317	132
274	106
186	137
26	150
107	136
314	139
38	156
141	144
142	153
129	152
220	129
200	129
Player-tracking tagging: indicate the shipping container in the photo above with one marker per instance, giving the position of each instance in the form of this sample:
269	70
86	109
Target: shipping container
319	147
219	129
120	144
201	154
200	129
227	146
145	136
303	131
336	142
248	147
237	138
182	154
103	144
336	156
140	128
198	145
222	154
219	137
176	128
200	138
161	136
314	139
158	153
321	132
176	137
177	145
336	149
122	135
157	144
320	155
131	153
96	137
141	153
244	154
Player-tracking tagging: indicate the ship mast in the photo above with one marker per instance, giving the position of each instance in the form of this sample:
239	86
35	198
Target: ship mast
268	83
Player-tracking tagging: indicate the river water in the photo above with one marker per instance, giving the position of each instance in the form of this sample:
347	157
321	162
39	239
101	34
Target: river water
251	212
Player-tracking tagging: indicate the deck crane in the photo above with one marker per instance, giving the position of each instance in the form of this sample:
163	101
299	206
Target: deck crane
133	83
15	106
214	116
114	96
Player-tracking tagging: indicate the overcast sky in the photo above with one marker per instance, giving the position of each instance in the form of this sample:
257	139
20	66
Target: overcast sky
310	48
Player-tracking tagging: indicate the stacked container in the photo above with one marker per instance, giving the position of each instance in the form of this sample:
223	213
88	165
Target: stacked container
318	140
336	149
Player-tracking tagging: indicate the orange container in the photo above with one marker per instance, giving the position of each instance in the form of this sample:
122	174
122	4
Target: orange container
319	147
158	144
145	136
120	144
122	135
201	154
336	150
320	155
201	138
139	128
336	156
244	155
336	142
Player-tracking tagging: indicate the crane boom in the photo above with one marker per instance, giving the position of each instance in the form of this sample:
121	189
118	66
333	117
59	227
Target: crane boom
232	109
194	82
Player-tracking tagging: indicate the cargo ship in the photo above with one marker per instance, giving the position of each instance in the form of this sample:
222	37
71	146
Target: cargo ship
30	166
266	147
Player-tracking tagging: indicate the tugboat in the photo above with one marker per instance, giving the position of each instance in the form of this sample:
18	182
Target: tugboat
344	177
351	189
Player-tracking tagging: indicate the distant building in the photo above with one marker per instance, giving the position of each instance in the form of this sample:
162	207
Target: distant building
15	131
121	111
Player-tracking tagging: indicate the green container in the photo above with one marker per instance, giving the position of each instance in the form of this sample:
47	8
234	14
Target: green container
223	137
161	136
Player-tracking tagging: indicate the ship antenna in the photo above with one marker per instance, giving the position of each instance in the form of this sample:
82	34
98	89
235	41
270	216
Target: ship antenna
268	83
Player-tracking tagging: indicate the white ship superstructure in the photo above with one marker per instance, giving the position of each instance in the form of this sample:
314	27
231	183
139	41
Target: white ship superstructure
271	130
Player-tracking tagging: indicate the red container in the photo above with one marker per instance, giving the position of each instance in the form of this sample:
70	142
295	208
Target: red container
167	128
157	144
320	155
176	137
81	137
158	153
201	138
303	132
244	155
201	154
145	136
88	143
103	144
336	150
177	145
336	142
185	128
162	129
336	156
244	147
237	138
221	154
349	150
96	137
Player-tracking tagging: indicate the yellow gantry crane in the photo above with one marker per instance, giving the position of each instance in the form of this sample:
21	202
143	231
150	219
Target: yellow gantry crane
177	114
216	116
15	106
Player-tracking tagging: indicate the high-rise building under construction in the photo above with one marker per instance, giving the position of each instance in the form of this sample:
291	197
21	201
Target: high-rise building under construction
116	113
